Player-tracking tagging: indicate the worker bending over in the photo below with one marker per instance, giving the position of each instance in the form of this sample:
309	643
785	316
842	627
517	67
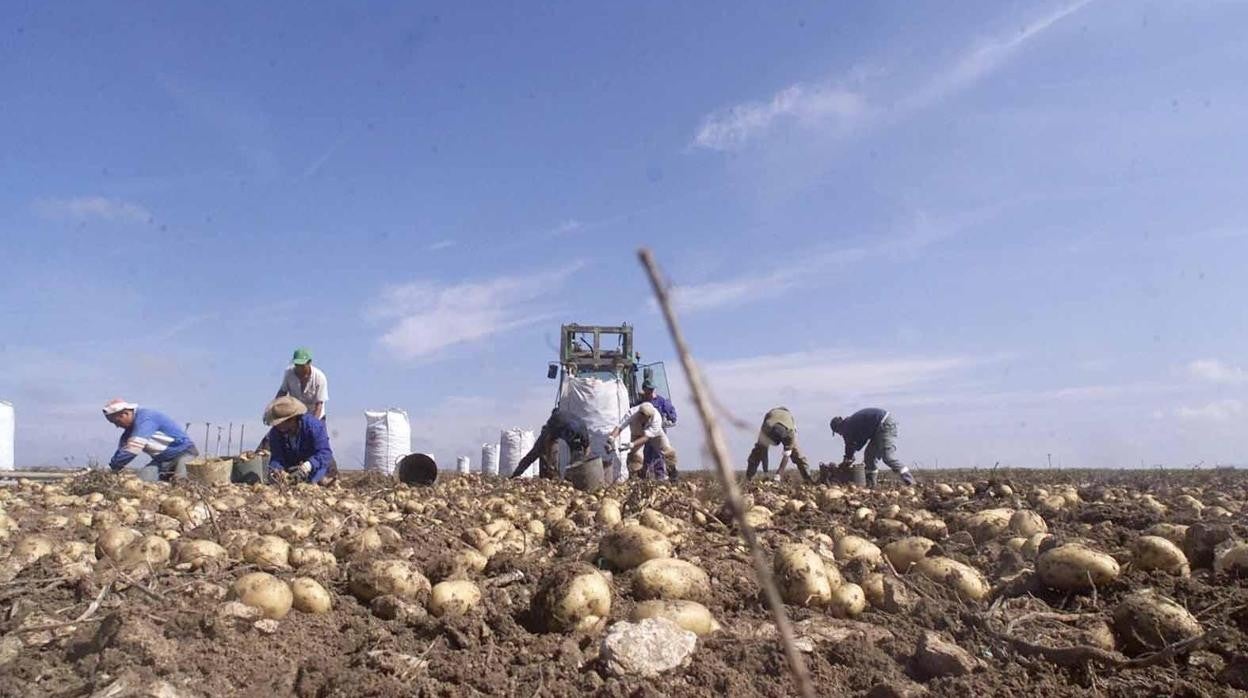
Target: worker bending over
653	459
299	443
875	429
151	432
645	424
779	429
545	449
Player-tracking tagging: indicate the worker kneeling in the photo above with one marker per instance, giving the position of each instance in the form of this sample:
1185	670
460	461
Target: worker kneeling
645	423
299	443
779	429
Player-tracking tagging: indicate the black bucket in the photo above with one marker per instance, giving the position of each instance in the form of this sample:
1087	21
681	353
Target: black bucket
587	475
418	469
855	474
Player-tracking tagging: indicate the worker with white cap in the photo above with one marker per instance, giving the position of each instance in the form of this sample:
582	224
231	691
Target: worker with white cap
299	442
148	431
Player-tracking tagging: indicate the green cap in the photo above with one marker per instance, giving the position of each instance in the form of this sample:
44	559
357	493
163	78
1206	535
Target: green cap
302	356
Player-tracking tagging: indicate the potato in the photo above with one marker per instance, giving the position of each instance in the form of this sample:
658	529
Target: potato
366	541
267	552
935	529
1157	553
988	524
1027	523
454	598
803	578
1171	532
1031	548
758	516
196	552
148	550
31	548
668	578
847	601
962	578
301	558
629	546
887	593
309	596
857	548
1074	567
293	530
903	553
651	518
690	615
370	579
1232	559
608	513
262	591
1145	621
889	528
572	596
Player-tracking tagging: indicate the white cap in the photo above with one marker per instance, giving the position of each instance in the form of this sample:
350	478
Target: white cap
118	405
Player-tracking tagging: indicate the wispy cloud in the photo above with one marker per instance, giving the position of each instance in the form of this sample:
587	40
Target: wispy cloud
830	373
441	245
842	106
1215	371
426	317
567	227
731	127
1216	411
84	208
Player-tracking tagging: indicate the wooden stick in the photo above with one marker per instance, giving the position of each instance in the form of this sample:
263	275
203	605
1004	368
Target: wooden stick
719	451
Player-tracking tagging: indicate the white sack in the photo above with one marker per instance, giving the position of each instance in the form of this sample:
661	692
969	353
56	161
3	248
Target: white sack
463	464
513	444
387	438
600	404
7	435
489	459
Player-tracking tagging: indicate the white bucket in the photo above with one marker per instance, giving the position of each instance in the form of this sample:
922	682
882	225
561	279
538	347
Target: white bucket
489	459
463	464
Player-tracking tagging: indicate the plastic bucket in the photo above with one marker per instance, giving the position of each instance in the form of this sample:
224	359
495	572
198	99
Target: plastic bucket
249	471
418	469
586	475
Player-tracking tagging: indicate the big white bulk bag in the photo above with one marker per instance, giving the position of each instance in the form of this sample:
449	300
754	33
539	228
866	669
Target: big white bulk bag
7	435
387	438
463	464
513	444
600	404
489	459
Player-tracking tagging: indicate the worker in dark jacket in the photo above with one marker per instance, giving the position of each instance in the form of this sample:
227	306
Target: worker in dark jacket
545	448
779	429
299	443
875	429
653	463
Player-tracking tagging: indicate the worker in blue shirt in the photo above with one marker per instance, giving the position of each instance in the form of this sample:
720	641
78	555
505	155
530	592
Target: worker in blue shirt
299	444
877	430
148	431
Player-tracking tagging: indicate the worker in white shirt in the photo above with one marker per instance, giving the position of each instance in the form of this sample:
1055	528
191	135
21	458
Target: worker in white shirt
306	383
645	424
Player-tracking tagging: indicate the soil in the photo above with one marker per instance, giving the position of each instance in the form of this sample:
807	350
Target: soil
162	635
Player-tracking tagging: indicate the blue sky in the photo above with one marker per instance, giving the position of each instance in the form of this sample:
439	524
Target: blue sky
1019	226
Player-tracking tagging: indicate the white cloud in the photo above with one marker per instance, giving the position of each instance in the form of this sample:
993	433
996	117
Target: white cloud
441	245
821	374
1216	411
566	227
832	107
428	317
731	127
92	207
1215	371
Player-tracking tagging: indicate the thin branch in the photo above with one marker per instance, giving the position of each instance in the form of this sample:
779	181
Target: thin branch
719	451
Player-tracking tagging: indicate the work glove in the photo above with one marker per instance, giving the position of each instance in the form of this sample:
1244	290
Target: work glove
304	469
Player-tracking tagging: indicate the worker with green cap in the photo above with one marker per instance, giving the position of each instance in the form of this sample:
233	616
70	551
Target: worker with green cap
306	383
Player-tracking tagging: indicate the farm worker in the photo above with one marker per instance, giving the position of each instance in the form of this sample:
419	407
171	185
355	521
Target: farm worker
874	428
558	426
151	432
306	383
779	429
645	423
653	458
300	443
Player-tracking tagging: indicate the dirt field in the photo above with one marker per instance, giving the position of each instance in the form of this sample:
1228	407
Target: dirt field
75	622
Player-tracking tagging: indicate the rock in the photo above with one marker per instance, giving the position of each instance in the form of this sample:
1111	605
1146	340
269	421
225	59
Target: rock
10	647
897	598
830	630
646	648
268	626
239	610
936	657
389	607
1235	674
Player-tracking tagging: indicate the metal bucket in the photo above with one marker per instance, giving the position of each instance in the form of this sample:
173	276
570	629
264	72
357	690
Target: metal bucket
249	471
418	469
855	474
586	475
213	472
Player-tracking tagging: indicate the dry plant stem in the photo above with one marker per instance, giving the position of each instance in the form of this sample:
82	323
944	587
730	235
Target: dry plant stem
1082	654
715	440
83	618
